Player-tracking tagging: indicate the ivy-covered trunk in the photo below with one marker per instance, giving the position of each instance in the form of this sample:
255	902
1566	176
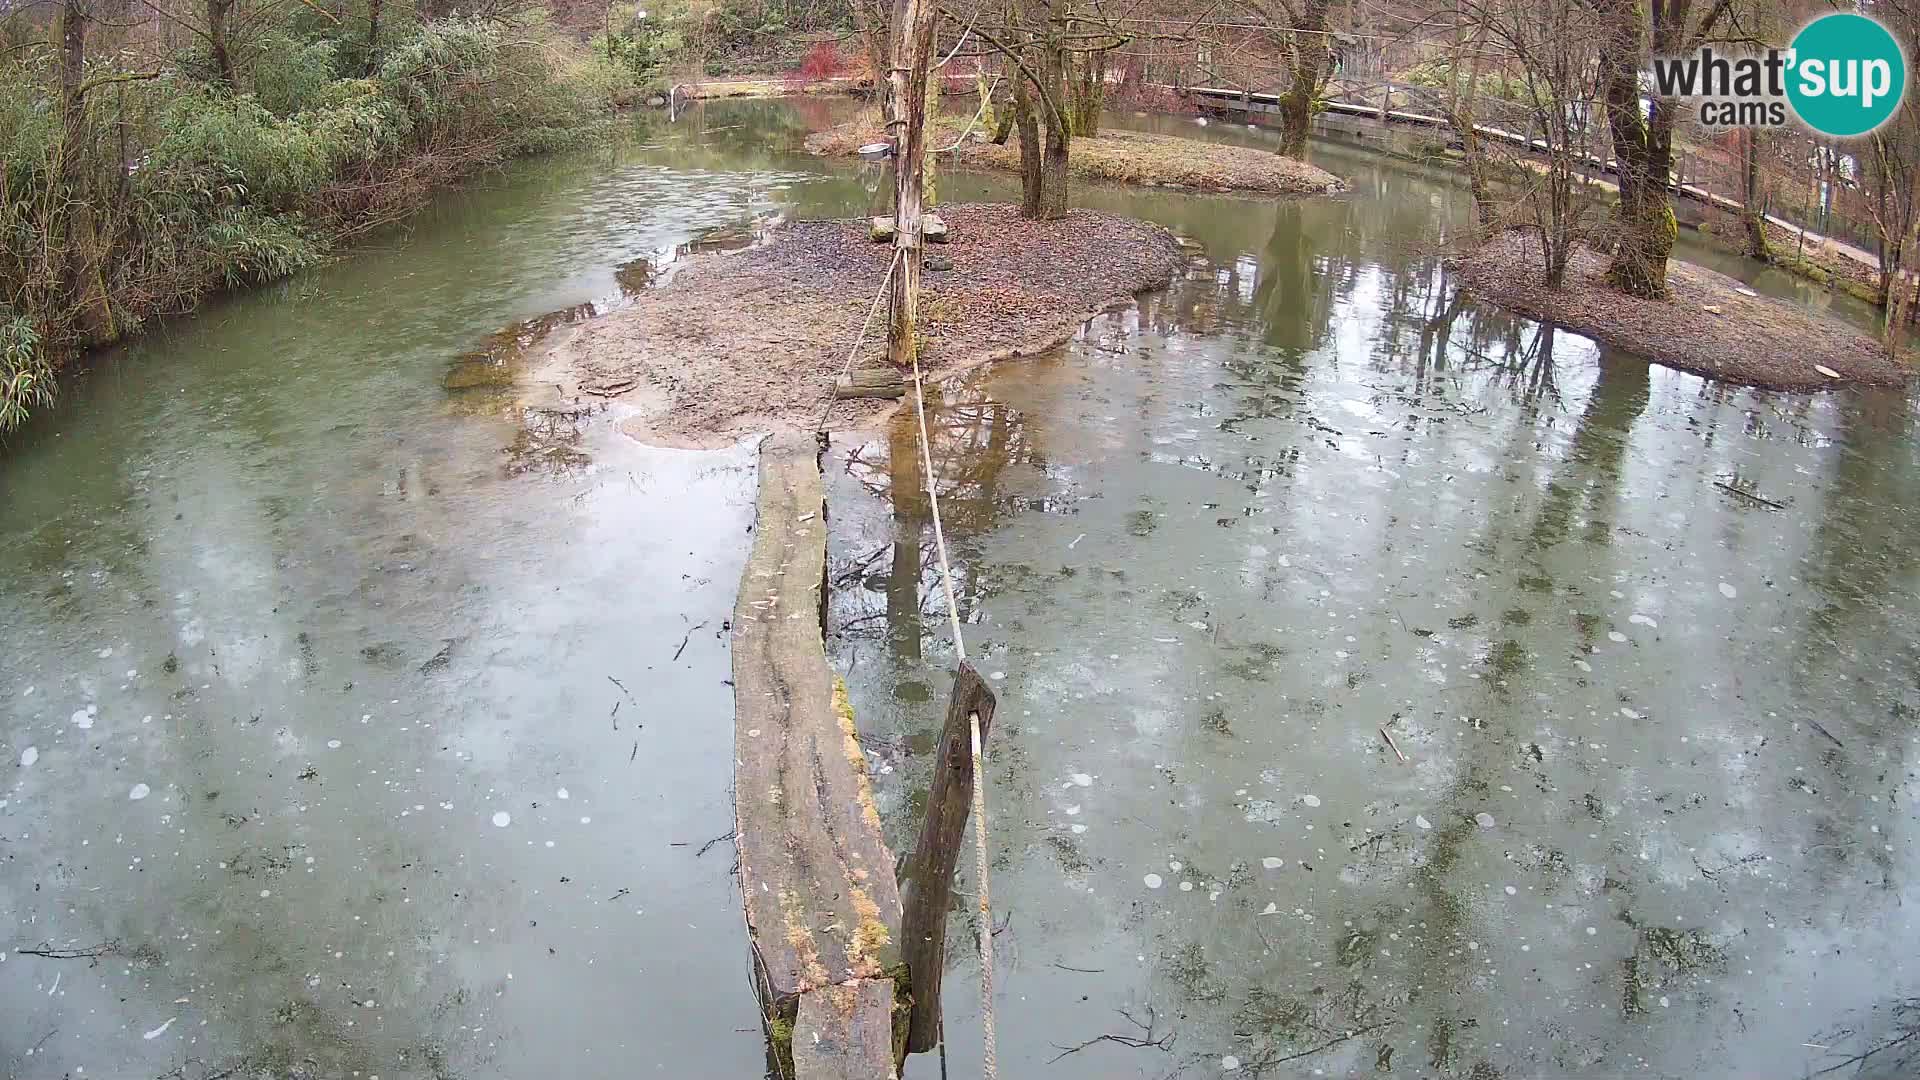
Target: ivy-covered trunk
1053	164
1312	66
1753	206
373	37
1906	280
1089	85
1029	127
217	12
1643	160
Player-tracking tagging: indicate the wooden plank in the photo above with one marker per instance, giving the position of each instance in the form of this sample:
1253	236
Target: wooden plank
871	382
928	890
845	1032
822	904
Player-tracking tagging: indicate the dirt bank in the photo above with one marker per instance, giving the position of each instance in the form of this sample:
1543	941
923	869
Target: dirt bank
1712	326
752	340
1128	157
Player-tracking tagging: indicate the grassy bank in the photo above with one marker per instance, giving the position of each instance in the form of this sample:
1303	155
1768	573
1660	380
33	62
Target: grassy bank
137	185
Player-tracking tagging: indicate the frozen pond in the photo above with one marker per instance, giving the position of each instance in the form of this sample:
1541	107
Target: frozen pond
347	727
351	726
1652	817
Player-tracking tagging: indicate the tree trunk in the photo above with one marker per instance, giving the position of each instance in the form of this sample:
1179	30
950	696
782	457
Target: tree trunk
1753	205
1900	290
217	11
912	61
1461	119
68	220
1059	125
1029	128
870	25
1053	173
1886	232
373	36
73	105
1643	161
1312	64
1089	84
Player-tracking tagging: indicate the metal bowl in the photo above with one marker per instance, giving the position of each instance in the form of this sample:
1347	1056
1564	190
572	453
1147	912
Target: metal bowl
874	151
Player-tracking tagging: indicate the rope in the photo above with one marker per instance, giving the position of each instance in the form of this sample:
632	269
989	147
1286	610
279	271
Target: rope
858	340
986	99
990	1066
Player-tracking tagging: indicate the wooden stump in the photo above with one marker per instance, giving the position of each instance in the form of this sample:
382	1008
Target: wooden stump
927	892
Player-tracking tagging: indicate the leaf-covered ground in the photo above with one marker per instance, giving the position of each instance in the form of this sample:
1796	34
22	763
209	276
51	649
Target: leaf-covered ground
752	340
1128	157
1712	325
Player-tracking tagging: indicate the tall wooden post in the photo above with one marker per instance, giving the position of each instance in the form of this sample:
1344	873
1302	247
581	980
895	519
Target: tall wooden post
927	892
913	23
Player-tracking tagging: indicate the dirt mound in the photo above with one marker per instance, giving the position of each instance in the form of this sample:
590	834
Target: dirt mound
1713	325
751	341
1128	157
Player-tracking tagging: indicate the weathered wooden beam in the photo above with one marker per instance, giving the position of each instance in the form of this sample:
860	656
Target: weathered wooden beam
927	892
881	382
823	909
845	1032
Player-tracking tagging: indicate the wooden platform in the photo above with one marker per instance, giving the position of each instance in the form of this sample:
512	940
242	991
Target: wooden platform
822	904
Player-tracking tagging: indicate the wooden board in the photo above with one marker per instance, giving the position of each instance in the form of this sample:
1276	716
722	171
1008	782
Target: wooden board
823	907
845	1032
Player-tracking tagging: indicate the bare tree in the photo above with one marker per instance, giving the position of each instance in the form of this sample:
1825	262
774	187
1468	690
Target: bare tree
1042	42
1305	37
1544	44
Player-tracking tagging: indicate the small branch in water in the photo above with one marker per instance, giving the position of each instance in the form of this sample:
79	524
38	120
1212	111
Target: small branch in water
1816	726
1749	495
623	688
1387	735
91	952
1164	1043
684	640
1861	1058
1711	875
1271	1062
728	835
1081	970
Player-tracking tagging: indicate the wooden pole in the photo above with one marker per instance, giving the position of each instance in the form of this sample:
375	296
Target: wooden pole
913	25
928	891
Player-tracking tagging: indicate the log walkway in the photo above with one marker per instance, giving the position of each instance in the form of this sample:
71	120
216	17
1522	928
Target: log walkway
822	902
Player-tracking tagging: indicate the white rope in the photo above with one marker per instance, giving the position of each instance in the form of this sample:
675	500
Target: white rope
986	100
990	1066
859	340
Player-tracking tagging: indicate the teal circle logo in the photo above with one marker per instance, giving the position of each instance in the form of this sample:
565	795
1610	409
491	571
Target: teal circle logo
1848	75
